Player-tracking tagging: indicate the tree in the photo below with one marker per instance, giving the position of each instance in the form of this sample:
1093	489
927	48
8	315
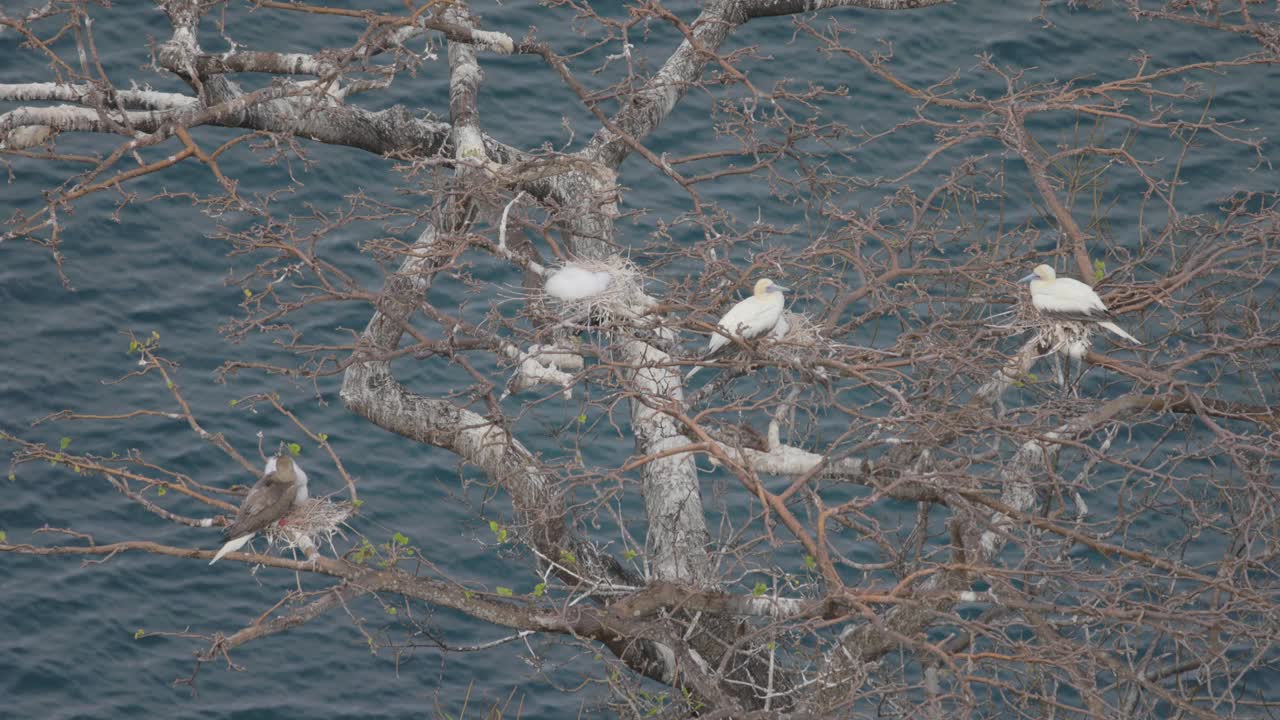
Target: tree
911	514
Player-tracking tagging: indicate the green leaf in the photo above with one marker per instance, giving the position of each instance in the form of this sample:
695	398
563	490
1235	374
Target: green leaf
629	554
468	594
235	403
504	591
357	503
539	589
65	442
568	558
133	346
582	419
759	589
1033	377
3	536
248	293
155	335
391	610
137	635
168	384
809	562
161	490
399	539
502	535
323	437
294	448
494	527
12	477
1099	270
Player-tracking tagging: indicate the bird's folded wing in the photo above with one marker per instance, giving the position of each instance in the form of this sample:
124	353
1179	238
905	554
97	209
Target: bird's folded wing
1078	308
267	502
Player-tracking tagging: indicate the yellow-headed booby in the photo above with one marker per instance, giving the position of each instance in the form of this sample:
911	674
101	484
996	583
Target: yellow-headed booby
750	318
1069	299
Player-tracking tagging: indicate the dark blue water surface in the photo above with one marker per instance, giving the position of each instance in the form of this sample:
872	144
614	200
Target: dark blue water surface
67	647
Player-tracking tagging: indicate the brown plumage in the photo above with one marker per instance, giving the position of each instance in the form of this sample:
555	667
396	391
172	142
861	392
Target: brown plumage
282	487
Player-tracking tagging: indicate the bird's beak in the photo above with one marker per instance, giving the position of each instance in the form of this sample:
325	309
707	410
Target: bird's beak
1027	279
779	288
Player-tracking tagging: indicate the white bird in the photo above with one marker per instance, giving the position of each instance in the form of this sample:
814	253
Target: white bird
750	318
1069	299
574	282
282	487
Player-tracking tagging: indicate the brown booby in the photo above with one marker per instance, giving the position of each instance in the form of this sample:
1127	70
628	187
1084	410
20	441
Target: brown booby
282	487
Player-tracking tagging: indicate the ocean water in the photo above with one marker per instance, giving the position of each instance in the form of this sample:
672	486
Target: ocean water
67	647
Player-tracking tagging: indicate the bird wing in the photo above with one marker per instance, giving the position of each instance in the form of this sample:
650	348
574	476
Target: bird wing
730	324
748	319
1070	299
270	499
751	317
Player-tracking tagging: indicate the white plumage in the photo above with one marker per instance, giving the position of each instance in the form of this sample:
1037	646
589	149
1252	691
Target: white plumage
750	318
573	282
1069	299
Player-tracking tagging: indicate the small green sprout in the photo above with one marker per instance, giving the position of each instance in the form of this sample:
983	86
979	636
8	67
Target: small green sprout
759	589
295	449
65	442
504	591
498	531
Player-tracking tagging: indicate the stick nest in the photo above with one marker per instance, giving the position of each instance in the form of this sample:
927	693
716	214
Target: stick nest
796	340
1067	337
310	525
620	301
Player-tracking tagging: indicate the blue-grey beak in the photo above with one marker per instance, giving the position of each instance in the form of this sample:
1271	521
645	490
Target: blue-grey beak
775	287
1028	278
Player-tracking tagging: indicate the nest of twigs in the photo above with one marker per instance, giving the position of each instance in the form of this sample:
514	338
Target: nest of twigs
310	525
796	340
1067	337
1072	339
616	302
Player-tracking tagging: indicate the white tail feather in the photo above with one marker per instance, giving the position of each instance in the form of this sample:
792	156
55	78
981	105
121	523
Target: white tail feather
231	546
1116	329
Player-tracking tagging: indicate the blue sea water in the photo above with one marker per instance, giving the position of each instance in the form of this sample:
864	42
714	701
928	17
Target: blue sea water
67	647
